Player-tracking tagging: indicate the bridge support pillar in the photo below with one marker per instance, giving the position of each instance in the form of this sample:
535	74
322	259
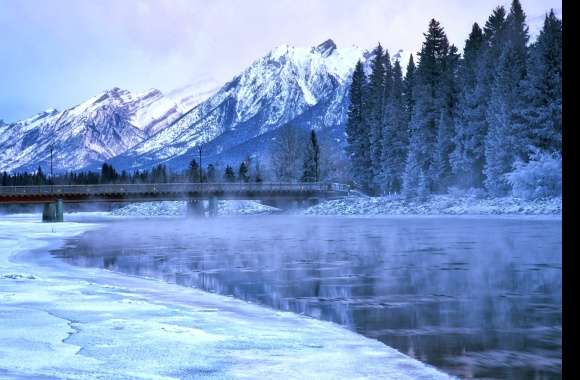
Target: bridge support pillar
213	206
53	211
195	208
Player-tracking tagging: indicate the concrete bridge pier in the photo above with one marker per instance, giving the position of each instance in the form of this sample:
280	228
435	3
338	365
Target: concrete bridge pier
212	207
195	208
53	211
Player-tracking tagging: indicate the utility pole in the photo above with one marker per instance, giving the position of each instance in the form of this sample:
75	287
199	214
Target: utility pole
51	175
200	166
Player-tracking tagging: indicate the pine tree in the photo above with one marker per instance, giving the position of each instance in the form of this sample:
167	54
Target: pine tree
395	136
505	139
541	110
447	95
357	131
229	175
376	97
258	172
311	167
467	158
426	110
193	171
211	173
409	84
243	172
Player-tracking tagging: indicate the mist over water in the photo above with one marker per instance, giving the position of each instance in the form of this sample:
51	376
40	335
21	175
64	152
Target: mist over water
476	297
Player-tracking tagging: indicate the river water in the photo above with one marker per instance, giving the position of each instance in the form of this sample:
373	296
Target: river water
475	297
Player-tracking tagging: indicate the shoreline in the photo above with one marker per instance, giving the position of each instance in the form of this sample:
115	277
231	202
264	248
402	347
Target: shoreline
91	323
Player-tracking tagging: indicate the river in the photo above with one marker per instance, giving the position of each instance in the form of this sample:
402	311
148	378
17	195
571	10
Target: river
478	297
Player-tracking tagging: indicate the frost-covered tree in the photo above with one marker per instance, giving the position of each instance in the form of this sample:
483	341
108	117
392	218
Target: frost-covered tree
540	111
357	130
540	177
506	140
447	90
427	107
395	135
467	158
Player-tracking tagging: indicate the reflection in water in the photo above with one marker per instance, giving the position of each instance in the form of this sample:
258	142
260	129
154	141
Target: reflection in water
475	297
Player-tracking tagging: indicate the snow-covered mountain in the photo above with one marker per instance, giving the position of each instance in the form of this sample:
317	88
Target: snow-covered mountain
189	96
306	86
87	134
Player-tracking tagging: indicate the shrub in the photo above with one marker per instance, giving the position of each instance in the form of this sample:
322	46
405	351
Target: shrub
540	177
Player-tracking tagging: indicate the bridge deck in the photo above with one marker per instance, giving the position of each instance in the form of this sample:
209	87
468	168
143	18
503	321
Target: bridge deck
169	191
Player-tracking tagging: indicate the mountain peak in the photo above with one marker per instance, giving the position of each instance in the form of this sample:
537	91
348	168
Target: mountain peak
326	48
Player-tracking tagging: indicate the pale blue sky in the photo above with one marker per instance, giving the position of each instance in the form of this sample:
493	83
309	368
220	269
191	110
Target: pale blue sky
57	53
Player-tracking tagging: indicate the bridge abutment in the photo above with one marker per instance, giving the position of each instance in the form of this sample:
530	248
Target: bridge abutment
53	211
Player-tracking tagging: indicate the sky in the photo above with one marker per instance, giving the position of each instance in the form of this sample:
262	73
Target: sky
58	53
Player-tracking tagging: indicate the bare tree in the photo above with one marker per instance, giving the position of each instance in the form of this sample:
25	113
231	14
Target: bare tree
334	163
286	153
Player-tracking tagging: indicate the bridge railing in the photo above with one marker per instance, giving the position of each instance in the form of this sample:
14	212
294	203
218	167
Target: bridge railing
173	188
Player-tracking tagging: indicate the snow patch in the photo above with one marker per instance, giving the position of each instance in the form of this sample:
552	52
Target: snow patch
437	205
179	208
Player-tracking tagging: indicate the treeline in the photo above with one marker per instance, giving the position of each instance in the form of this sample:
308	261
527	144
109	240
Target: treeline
249	170
452	120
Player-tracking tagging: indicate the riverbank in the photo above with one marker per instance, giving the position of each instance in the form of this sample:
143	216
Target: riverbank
179	208
70	322
433	205
437	205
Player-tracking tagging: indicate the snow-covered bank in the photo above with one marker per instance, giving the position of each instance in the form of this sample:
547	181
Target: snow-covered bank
437	205
69	322
179	208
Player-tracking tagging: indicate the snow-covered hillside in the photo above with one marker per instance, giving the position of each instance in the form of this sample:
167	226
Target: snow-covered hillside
189	96
89	133
305	85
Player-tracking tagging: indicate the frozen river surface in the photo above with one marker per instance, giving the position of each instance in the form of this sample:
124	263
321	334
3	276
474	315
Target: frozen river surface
475	297
63	322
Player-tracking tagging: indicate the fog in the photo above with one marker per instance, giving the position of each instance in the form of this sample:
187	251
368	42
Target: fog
459	293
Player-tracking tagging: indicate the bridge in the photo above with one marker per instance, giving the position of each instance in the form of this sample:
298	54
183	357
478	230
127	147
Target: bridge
54	196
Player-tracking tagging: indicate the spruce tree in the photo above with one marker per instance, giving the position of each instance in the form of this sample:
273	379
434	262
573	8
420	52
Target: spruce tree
426	110
395	135
229	175
193	171
448	91
467	158
211	173
506	139
243	172
541	110
357	131
409	84
376	97
311	167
